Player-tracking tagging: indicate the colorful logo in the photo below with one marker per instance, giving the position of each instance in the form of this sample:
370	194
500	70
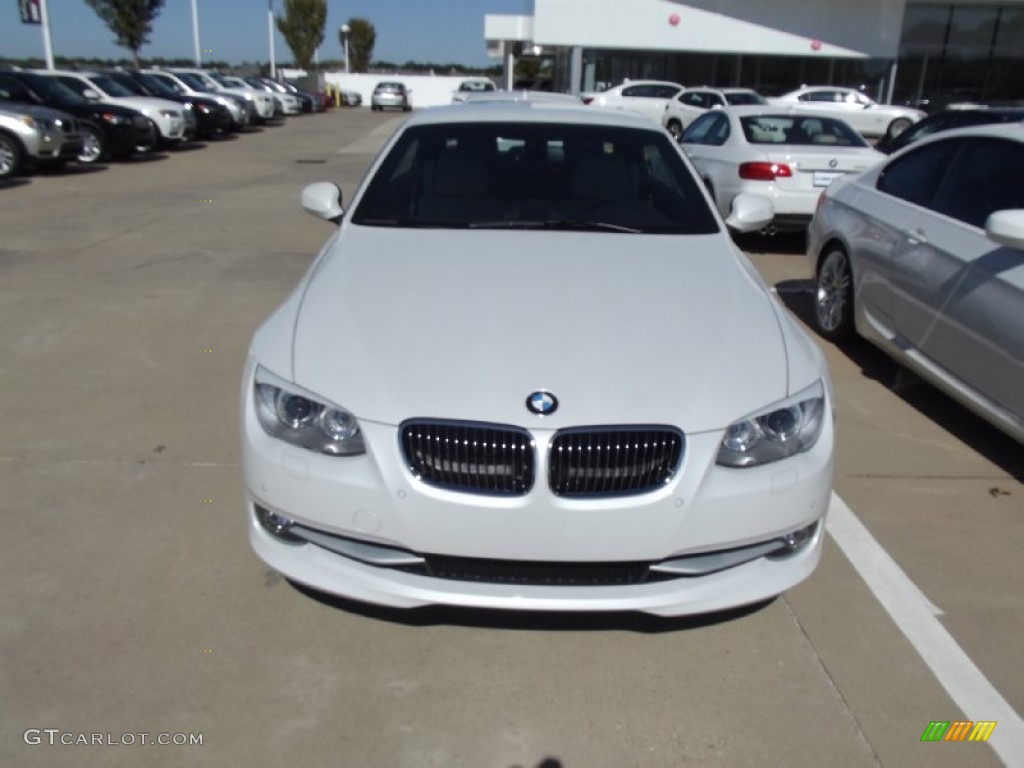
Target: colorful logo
958	730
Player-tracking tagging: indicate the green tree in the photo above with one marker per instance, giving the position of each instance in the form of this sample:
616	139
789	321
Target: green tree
131	21
302	27
361	38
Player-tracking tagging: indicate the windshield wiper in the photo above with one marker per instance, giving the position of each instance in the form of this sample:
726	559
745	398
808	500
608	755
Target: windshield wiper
568	224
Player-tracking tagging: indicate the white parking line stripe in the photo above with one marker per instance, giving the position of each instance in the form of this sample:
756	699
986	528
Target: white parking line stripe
915	615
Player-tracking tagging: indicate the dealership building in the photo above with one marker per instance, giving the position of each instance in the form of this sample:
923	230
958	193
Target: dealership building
896	50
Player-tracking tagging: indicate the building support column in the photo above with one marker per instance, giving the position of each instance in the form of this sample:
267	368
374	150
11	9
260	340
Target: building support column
892	83
509	68
575	70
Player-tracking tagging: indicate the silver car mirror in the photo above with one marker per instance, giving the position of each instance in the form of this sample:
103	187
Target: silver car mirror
323	200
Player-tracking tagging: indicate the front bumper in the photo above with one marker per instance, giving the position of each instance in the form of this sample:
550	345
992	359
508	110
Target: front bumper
705	512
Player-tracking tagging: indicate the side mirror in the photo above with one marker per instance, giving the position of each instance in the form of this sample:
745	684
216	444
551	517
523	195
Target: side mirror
91	95
750	213
323	200
1006	228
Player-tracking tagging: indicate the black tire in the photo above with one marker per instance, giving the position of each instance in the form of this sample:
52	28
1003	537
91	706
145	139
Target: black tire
833	295
12	156
675	128
897	126
95	147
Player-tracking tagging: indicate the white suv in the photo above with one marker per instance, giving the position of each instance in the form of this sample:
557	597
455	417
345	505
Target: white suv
167	116
694	102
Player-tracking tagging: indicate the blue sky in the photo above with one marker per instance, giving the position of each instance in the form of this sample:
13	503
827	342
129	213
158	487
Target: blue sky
236	30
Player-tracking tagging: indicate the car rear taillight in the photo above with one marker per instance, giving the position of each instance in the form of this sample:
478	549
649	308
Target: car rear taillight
764	171
587	99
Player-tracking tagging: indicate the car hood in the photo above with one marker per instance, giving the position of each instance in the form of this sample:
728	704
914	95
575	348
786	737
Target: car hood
33	110
144	104
465	324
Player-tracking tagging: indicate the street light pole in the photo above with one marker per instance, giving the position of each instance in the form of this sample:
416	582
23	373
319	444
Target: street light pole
345	29
195	34
44	20
270	31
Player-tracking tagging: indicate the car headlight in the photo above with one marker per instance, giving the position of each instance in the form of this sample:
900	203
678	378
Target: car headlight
288	412
113	119
783	429
168	113
28	121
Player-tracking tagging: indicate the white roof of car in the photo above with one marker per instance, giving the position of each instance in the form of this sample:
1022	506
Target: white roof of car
530	111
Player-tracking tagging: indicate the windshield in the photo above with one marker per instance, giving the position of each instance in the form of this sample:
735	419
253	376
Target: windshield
52	90
110	86
785	129
156	85
194	82
536	176
127	82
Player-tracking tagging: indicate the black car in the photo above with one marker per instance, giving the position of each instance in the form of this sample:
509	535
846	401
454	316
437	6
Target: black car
211	117
108	130
948	119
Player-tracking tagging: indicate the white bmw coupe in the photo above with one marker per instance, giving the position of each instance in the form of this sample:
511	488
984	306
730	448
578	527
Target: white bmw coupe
530	370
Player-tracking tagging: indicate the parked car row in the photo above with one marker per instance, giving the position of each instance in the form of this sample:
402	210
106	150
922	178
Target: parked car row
49	117
676	106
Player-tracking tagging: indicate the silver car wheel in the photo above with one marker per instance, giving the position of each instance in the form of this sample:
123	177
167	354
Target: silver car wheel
92	147
833	296
9	157
898	126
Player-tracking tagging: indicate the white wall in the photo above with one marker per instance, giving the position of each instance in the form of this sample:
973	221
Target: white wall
827	28
427	90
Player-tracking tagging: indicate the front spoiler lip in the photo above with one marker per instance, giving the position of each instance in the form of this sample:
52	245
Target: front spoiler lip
381	556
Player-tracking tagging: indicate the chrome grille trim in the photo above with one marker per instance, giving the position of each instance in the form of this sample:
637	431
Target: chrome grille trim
469	456
613	460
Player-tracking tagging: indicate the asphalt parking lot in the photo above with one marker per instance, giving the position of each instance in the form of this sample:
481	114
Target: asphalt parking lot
132	603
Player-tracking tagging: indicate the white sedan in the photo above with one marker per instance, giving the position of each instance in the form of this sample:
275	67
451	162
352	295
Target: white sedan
531	371
647	97
924	257
867	116
785	157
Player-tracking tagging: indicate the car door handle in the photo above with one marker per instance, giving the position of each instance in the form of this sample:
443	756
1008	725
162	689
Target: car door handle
916	236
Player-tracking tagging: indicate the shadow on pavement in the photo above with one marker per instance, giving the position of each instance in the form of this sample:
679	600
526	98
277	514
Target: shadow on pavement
783	242
529	620
963	424
10	183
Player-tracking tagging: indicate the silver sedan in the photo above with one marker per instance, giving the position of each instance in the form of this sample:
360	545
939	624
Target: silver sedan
924	256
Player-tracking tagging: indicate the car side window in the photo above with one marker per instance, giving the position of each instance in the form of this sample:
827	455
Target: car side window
917	175
636	91
699	130
985	178
664	91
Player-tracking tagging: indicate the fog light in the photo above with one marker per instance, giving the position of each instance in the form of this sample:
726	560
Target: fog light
276	525
796	539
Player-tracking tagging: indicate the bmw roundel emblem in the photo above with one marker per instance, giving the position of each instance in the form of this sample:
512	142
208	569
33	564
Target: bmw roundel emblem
542	403
833	163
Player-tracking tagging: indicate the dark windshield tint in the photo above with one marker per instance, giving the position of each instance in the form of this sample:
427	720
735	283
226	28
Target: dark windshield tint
52	90
524	175
789	129
194	82
128	82
157	86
